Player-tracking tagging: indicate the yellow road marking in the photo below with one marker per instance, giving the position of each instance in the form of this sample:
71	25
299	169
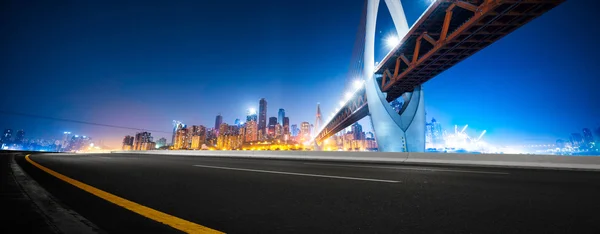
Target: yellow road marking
175	222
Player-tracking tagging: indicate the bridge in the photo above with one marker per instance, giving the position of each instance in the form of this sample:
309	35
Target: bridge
448	32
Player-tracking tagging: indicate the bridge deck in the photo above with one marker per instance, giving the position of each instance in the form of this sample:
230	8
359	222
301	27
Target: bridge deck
447	33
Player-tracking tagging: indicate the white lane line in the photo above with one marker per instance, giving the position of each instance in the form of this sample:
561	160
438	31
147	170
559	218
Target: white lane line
412	168
299	174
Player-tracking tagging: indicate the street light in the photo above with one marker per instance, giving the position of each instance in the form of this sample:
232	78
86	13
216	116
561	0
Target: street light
391	41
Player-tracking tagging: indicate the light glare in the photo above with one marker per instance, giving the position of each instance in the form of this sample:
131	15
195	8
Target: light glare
392	41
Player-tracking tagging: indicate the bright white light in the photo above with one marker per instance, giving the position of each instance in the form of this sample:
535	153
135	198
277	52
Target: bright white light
342	103
348	95
337	109
391	41
251	111
358	84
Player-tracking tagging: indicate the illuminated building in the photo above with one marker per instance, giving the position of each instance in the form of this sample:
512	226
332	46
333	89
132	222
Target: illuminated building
78	143
251	132
7	136
176	126
286	125
20	136
295	131
560	144
197	142
318	121
142	141
262	118
272	123
278	131
251	115
357	131
128	143
588	138
223	129
161	142
280	116
576	140
437	137
65	141
218	122
305	131
181	139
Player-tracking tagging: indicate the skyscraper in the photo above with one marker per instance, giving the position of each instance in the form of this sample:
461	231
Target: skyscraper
286	125
357	131
181	139
218	121
272	123
161	142
262	117
128	143
588	138
295	130
318	121
576	140
251	115
176	126
142	140
65	141
251	131
305	130
280	116
7	136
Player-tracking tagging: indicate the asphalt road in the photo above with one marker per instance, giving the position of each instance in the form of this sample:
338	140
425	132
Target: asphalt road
276	196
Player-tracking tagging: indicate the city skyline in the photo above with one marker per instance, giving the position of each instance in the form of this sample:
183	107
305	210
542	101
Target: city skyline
141	93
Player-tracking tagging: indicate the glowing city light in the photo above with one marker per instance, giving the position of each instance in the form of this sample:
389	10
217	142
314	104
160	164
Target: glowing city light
358	84
391	41
251	111
348	95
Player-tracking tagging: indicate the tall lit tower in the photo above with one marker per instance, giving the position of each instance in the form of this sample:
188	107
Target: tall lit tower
218	121
280	116
262	117
176	126
318	122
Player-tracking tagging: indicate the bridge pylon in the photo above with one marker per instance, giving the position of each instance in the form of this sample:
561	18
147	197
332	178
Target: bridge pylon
402	131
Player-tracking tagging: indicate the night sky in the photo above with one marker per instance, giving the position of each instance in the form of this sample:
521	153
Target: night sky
143	64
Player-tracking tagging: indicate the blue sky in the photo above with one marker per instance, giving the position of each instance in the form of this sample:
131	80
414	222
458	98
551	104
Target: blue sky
143	64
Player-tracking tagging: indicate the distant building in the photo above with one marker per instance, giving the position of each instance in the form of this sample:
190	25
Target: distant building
7	136
262	117
588	138
272	123
318	120
176	126
181	139
286	126
576	140
305	131
223	129
280	116
251	115
128	143
218	122
251	131
162	142
295	131
357	131
142	141
78	143
65	141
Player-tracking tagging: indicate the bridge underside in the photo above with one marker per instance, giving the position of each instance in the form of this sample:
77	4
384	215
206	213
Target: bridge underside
448	32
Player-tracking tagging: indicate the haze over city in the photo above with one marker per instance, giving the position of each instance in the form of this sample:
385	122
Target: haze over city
144	65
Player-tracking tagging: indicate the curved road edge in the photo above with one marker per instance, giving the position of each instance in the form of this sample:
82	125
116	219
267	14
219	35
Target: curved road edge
64	219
